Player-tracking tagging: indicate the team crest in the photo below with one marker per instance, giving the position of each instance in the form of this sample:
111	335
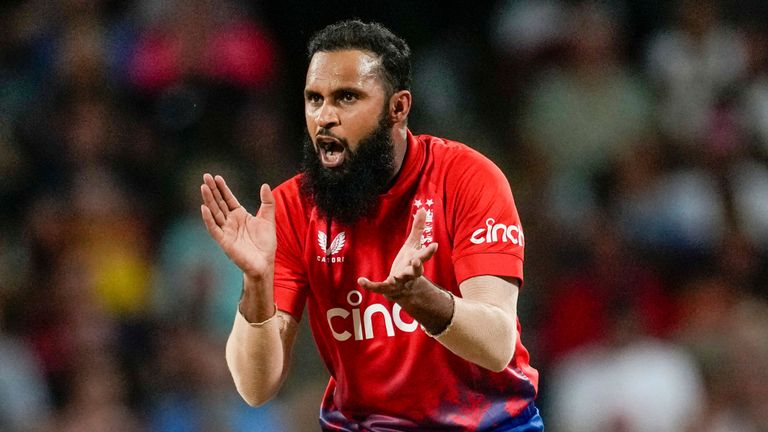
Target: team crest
428	235
333	249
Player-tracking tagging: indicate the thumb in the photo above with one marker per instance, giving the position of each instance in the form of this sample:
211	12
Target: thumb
267	208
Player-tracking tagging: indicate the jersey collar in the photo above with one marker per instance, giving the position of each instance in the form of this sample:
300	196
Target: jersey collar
411	167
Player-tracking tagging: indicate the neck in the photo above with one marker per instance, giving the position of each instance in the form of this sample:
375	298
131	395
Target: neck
400	144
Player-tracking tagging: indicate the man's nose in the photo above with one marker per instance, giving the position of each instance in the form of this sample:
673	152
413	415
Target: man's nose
327	116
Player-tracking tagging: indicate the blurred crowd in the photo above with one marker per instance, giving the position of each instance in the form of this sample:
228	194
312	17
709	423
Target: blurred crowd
634	135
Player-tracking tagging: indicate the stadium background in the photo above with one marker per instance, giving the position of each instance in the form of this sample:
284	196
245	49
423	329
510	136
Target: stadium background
634	134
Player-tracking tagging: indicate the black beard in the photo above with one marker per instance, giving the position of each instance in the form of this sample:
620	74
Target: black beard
351	191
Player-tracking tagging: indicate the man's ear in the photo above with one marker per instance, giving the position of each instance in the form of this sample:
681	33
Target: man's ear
400	106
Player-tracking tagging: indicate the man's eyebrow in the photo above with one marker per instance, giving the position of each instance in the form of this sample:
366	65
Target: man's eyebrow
355	90
337	91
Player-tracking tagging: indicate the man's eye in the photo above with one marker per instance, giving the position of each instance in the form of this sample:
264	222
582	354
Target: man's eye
314	99
348	97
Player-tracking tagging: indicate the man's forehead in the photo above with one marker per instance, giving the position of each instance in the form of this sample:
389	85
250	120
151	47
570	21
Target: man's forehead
345	66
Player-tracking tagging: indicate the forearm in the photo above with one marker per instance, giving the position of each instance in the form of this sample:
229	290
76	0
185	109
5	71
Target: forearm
428	304
481	333
259	345
474	329
258	301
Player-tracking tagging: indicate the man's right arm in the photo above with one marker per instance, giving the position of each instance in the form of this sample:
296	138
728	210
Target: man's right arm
260	345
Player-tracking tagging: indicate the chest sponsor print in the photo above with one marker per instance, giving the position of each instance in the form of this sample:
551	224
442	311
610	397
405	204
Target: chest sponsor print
358	323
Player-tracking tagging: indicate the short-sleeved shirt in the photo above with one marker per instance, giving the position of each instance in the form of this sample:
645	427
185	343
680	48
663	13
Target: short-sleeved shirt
386	373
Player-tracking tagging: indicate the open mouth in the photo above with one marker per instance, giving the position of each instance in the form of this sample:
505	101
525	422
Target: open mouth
331	151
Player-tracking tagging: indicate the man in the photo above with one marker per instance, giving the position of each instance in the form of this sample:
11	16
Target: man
415	336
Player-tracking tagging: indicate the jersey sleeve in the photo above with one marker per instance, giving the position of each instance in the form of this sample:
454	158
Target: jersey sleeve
488	238
290	283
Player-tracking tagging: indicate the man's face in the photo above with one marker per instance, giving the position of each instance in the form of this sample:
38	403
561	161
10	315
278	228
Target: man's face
343	100
349	157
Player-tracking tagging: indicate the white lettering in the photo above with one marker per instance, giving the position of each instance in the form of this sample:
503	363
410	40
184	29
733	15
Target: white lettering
355	293
476	239
338	312
368	319
356	324
490	234
362	326
496	229
402	325
321	258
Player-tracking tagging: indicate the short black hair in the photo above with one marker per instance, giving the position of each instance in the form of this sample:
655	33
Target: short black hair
393	52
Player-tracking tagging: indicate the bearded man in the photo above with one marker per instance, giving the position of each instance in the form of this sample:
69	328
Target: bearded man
414	336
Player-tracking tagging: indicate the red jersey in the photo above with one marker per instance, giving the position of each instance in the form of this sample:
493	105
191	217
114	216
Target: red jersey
386	373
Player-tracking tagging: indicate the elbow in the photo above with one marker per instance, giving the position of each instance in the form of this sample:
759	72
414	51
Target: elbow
500	360
504	351
257	383
255	399
255	393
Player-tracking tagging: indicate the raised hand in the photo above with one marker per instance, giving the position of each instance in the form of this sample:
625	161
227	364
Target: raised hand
408	265
249	241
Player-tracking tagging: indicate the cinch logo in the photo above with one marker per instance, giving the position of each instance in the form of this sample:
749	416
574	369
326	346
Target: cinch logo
336	245
362	324
492	230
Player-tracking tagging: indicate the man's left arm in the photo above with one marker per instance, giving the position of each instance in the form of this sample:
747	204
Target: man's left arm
480	326
483	328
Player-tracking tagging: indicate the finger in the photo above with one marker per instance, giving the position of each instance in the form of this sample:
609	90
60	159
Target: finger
415	268
417	228
377	287
211	183
210	202
226	193
221	205
210	224
426	253
409	272
267	208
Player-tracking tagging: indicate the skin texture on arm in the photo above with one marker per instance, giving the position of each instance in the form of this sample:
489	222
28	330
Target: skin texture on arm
257	354
483	329
479	327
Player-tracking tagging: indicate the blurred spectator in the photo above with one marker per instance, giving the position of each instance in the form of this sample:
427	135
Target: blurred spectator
693	64
24	397
527	36
727	331
755	98
678	210
585	115
522	28
749	183
628	383
65	321
606	275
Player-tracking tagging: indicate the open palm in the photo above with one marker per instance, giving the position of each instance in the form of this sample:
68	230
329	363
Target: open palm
248	240
407	266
